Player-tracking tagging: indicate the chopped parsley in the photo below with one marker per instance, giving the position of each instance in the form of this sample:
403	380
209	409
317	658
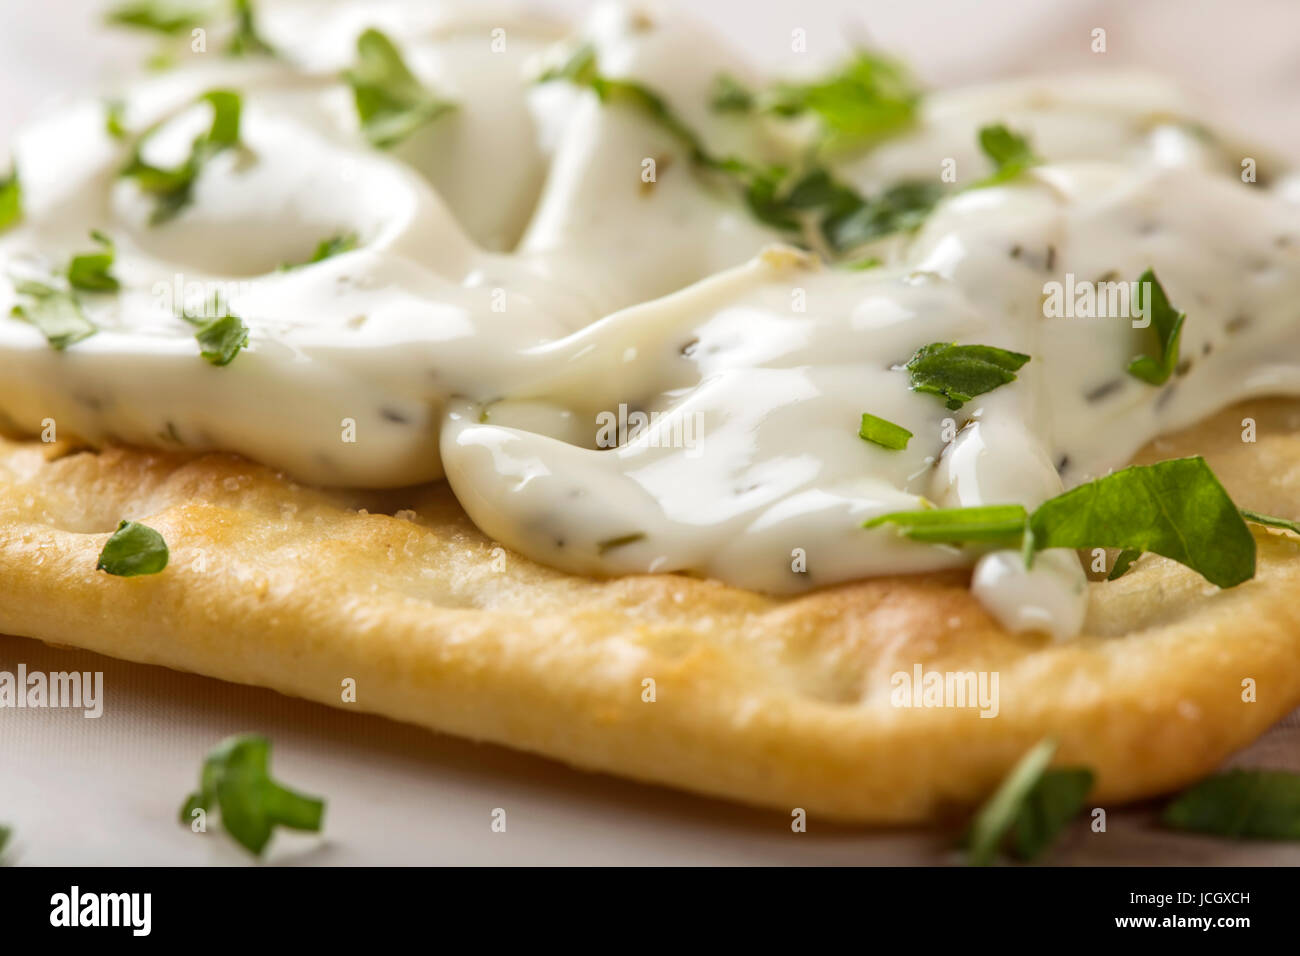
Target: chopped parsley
958	373
11	200
327	249
172	18
115	119
811	200
1123	561
1010	152
246	40
168	17
1270	521
236	781
730	96
173	189
90	271
1255	804
609	544
1174	508
1001	524
55	312
133	550
391	103
870	97
853	220
221	339
883	433
1031	807
1166	324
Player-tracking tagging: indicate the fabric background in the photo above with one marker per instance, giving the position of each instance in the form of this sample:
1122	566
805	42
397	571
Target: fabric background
106	791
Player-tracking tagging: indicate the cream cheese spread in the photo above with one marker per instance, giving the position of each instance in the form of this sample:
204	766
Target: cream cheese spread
621	375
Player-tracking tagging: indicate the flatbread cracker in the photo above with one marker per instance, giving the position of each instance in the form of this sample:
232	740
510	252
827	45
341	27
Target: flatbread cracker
778	703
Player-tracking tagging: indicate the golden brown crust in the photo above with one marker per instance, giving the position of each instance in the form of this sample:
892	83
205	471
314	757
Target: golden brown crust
776	703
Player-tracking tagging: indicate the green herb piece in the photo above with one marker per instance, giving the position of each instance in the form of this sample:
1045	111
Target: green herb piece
1033	804
236	780
160	61
55	312
115	119
90	270
1123	561
960	372
868	98
11	200
1173	508
328	248
159	16
992	523
861	265
246	40
1010	152
1255	804
883	433
132	550
1270	521
173	188
774	195
391	103
221	339
729	96
1167	323
852	220
5	834
610	544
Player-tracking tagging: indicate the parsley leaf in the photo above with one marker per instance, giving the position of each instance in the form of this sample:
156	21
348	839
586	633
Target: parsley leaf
55	312
246	39
853	220
729	96
221	339
883	433
1167	322
1010	152
774	196
160	16
90	270
1174	508
1123	561
327	249
115	119
870	97
391	103
992	523
1257	804
960	372
609	544
1271	522
173	188
132	550
236	780
1033	804
11	200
